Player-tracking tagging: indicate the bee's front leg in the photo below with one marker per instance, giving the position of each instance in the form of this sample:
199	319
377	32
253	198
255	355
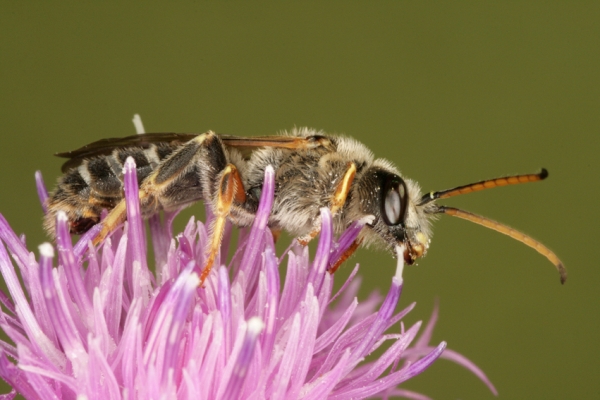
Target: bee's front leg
337	202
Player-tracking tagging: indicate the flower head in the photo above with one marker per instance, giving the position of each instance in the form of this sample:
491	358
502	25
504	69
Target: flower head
102	325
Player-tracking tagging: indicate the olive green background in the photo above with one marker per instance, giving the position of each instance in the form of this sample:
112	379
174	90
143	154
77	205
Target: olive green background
452	93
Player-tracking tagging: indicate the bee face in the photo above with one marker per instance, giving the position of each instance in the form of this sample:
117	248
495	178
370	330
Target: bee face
398	220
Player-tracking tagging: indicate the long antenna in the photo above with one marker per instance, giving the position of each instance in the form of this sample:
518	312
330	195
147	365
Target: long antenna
488	184
513	233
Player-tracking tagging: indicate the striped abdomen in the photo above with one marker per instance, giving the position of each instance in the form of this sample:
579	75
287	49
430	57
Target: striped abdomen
97	184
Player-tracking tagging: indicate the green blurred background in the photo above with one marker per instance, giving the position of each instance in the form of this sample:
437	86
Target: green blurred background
452	93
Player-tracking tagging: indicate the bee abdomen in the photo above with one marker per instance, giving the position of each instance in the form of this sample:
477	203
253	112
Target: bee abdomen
97	184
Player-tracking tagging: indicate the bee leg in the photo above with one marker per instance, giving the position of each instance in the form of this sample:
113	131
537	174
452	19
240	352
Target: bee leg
305	240
118	215
337	202
115	217
345	255
230	189
156	191
276	234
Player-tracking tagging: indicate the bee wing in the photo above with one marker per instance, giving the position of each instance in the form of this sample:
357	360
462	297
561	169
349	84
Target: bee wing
106	146
245	144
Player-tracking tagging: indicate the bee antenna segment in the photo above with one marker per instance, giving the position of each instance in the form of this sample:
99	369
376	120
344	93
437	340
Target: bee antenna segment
513	233
482	185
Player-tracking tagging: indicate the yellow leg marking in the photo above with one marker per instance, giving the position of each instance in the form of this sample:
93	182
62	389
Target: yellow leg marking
339	197
215	244
229	190
116	217
337	202
346	255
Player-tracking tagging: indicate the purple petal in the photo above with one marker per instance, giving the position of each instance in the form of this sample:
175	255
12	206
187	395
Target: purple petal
425	337
72	268
61	318
379	325
112	293
347	239
405	394
13	243
179	311
468	364
224	294
268	336
243	359
7	302
392	379
459	359
334	331
343	289
9	396
82	244
134	216
309	312
260	223
16	378
41	190
42	344
324	384
102	383
320	262
281	381
384	361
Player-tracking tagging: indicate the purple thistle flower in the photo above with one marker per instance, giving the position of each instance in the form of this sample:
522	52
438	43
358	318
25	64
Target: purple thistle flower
103	326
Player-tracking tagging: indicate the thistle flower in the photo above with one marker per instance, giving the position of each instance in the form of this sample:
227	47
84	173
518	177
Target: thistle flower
102	325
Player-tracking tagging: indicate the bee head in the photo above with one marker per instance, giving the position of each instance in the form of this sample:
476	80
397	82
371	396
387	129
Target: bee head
398	221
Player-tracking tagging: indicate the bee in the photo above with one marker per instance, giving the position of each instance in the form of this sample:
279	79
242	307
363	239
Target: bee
312	170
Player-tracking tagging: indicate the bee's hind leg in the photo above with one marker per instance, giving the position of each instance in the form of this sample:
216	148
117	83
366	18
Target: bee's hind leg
337	201
174	183
230	189
115	217
118	214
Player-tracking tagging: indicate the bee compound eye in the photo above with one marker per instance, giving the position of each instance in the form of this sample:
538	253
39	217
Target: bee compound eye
394	201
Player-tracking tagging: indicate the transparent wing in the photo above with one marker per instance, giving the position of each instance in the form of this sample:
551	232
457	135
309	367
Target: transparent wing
245	144
106	146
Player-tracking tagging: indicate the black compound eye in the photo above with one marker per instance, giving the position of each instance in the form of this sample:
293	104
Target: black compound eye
394	200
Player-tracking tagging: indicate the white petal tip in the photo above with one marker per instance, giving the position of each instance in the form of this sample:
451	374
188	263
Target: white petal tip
368	219
193	280
129	164
46	250
62	216
400	264
255	325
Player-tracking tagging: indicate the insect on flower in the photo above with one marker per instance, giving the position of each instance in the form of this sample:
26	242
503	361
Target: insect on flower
313	170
